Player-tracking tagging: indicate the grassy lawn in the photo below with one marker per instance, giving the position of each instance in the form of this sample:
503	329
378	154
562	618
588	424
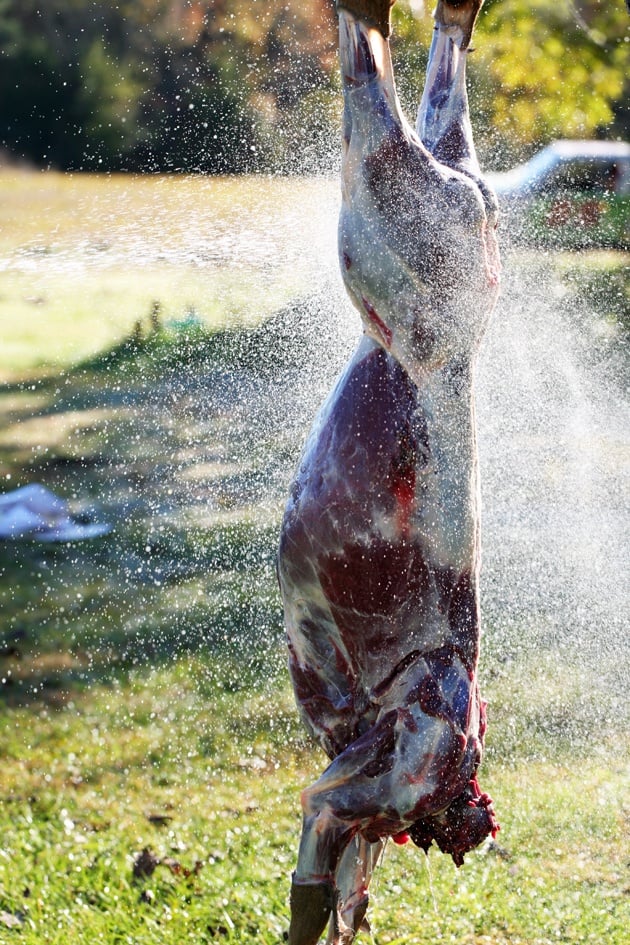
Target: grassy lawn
144	702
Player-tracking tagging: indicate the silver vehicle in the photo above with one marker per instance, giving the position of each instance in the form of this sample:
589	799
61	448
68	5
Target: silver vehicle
572	194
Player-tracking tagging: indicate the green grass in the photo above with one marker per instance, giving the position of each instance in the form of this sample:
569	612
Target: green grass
144	701
203	766
186	763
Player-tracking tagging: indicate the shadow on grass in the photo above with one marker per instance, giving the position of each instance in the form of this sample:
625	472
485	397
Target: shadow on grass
77	614
184	441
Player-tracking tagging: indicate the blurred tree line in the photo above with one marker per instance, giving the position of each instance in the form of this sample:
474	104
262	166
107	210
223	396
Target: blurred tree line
228	86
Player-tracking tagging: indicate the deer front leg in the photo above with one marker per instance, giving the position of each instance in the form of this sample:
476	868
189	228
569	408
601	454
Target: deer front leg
354	873
408	763
412	762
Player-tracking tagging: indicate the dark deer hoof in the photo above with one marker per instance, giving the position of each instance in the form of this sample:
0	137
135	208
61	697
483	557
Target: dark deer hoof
312	905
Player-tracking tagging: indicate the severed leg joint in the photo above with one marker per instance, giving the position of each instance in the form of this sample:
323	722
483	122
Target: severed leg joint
373	12
460	15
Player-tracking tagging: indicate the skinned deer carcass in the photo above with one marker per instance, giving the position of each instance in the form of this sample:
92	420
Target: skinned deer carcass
379	554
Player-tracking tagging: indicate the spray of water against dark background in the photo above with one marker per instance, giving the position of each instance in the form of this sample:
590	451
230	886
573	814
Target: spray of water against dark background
552	414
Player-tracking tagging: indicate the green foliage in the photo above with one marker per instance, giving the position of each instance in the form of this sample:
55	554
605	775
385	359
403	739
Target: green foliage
114	87
539	71
244	85
159	85
552	69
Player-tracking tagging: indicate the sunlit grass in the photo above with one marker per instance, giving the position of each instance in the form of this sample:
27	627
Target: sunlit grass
186	762
58	319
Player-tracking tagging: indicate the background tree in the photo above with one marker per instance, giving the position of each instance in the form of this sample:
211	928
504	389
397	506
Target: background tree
240	85
542	69
553	69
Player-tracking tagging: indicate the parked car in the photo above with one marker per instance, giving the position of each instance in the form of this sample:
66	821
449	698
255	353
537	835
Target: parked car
572	194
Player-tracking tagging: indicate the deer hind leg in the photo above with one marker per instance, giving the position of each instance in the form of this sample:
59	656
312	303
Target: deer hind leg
373	12
459	16
443	122
364	54
407	763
